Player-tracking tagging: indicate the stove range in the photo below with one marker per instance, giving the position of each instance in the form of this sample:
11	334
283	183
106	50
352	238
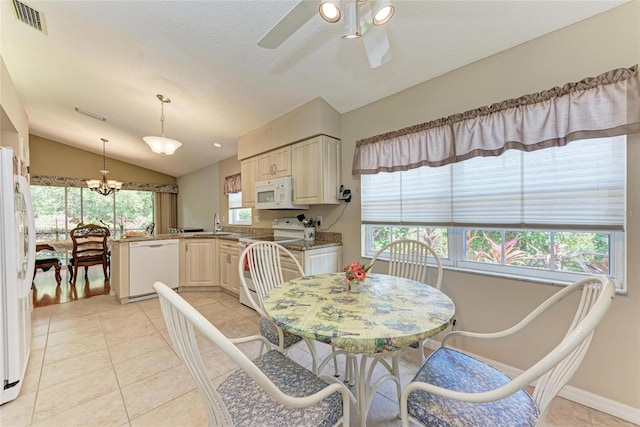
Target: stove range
284	230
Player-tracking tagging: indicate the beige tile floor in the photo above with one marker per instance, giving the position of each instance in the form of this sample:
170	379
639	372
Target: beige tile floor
95	362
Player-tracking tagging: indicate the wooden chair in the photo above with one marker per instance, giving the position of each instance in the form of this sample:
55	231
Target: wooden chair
455	389
89	248
264	260
270	390
46	259
410	259
150	228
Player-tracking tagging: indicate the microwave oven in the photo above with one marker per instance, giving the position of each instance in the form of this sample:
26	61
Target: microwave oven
276	193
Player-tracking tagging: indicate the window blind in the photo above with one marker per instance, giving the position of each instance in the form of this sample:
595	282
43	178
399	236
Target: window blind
235	200
577	186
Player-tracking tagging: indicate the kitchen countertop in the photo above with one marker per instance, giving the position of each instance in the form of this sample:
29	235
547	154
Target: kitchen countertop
299	245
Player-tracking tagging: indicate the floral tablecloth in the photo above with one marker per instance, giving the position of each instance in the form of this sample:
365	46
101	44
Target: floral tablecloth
385	314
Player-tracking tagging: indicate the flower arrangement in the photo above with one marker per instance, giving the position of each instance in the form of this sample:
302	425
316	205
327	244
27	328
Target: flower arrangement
354	272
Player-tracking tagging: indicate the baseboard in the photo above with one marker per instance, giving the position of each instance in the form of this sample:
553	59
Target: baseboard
594	401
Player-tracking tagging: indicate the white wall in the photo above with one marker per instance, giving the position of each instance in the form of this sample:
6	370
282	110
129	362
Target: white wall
198	198
612	40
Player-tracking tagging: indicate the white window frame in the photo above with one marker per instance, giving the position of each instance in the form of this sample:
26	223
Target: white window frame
456	258
585	202
235	207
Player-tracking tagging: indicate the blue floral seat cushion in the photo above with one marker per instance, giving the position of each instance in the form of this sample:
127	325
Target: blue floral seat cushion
249	405
269	330
457	371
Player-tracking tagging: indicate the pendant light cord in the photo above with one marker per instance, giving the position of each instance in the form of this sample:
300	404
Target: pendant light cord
162	116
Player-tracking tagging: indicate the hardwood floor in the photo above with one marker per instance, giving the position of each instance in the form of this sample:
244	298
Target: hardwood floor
47	292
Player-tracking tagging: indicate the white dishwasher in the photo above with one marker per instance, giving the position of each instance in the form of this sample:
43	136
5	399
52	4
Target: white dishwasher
152	261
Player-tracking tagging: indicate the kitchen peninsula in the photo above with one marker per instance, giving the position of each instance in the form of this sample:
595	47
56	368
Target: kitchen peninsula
206	261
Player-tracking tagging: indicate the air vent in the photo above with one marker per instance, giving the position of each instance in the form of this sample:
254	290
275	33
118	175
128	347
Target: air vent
29	16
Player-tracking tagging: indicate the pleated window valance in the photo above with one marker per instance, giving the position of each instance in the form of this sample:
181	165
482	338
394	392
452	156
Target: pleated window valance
232	184
603	106
57	181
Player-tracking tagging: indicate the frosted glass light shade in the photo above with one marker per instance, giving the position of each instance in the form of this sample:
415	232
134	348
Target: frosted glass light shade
161	145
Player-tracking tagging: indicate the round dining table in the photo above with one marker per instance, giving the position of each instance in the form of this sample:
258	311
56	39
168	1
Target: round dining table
378	317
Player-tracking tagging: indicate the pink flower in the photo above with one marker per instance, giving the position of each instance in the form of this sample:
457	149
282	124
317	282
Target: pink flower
354	271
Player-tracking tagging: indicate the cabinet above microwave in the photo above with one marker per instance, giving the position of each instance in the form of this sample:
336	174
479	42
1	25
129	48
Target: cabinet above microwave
313	165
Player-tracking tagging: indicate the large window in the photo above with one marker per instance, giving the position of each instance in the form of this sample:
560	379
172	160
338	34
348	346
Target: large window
551	215
58	210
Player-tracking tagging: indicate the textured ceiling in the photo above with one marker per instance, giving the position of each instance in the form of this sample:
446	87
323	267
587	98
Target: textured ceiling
112	58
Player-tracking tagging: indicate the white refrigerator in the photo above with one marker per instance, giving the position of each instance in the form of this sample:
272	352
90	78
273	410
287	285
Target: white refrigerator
17	258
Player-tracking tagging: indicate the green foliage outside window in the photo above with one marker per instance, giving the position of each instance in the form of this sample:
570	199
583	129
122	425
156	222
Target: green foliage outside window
57	210
563	251
434	237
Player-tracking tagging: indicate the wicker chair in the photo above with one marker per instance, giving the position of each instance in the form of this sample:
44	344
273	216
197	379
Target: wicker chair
270	390
89	248
455	389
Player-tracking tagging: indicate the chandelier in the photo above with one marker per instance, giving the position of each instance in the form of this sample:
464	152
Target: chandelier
104	186
160	144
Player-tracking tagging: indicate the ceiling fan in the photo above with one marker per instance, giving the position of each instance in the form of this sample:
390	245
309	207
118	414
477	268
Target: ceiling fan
363	19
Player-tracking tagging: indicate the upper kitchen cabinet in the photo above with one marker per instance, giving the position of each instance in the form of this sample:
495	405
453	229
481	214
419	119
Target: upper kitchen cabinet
316	170
249	174
274	164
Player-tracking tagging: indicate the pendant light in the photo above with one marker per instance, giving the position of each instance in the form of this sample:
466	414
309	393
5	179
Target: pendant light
160	144
104	186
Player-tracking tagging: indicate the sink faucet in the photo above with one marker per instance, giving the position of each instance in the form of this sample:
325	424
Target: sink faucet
216	223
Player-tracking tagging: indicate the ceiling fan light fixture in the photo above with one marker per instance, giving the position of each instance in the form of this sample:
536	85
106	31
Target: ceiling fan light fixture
160	144
329	11
351	20
382	12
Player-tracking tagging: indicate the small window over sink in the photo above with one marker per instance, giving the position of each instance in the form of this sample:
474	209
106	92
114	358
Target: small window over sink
237	214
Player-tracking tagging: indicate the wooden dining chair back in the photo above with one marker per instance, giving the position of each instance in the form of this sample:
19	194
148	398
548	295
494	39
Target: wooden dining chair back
150	228
450	385
270	390
264	261
410	259
46	258
89	248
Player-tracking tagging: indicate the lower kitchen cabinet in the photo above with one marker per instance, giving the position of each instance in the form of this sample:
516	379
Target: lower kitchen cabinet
199	265
228	256
313	261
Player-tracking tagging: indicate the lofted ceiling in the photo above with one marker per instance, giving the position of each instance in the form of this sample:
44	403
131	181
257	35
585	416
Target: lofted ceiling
112	58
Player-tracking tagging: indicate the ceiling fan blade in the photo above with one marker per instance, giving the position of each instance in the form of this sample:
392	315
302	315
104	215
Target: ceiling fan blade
289	24
376	44
374	37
